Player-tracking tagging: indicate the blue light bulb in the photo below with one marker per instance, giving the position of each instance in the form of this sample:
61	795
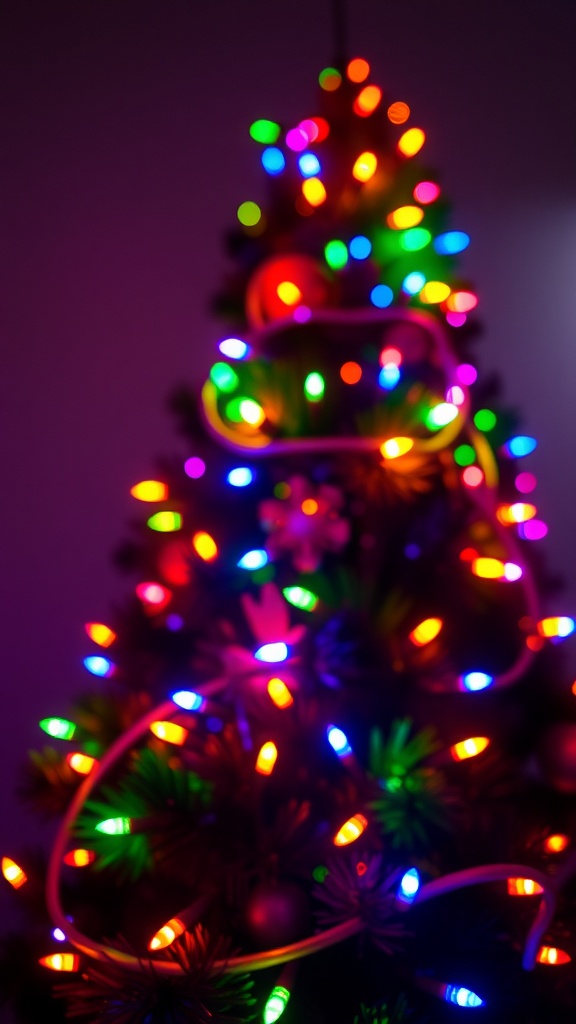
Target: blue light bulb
451	242
338	741
462	996
309	165
188	700
409	886
273	160
272	652
253	559
241	476
360	247
98	665
476	681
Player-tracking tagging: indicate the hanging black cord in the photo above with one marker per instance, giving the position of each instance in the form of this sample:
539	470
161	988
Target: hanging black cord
339	30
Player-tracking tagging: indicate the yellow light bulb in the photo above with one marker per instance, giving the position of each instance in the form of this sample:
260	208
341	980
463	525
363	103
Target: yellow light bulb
205	546
169	732
313	190
365	167
411	142
100	634
81	763
289	293
488	568
396	446
405	217
433	292
279	693
425	632
149	490
266	758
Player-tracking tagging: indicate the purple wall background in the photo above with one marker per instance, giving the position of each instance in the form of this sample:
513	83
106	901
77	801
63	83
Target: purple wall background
126	153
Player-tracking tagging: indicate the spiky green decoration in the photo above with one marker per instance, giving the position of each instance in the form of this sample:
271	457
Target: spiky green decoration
199	995
362	886
153	791
411	797
383	1013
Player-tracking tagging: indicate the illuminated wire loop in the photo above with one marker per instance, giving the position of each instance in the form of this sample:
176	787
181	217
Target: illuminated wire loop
210	405
486	457
442	438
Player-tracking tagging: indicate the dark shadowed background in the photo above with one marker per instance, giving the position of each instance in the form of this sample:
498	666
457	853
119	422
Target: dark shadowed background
125	153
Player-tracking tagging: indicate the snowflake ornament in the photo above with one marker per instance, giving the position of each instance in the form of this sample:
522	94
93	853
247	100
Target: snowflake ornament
306	522
268	617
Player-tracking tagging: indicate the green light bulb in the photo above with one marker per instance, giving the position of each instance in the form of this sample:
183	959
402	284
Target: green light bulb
320	873
336	254
59	728
301	598
276	1004
251	412
115	826
485	419
224	377
314	387
264	131
464	455
440	415
165	522
249	214
414	239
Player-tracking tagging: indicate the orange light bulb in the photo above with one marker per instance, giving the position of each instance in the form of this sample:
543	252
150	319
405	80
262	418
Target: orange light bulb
523	887
166	935
13	873
469	748
61	961
367	100
80	858
556	843
552	955
351	830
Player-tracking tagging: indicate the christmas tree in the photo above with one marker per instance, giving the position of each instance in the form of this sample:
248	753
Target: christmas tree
325	771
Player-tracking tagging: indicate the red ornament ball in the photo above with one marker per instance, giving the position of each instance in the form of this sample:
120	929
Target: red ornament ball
277	913
557	756
284	284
